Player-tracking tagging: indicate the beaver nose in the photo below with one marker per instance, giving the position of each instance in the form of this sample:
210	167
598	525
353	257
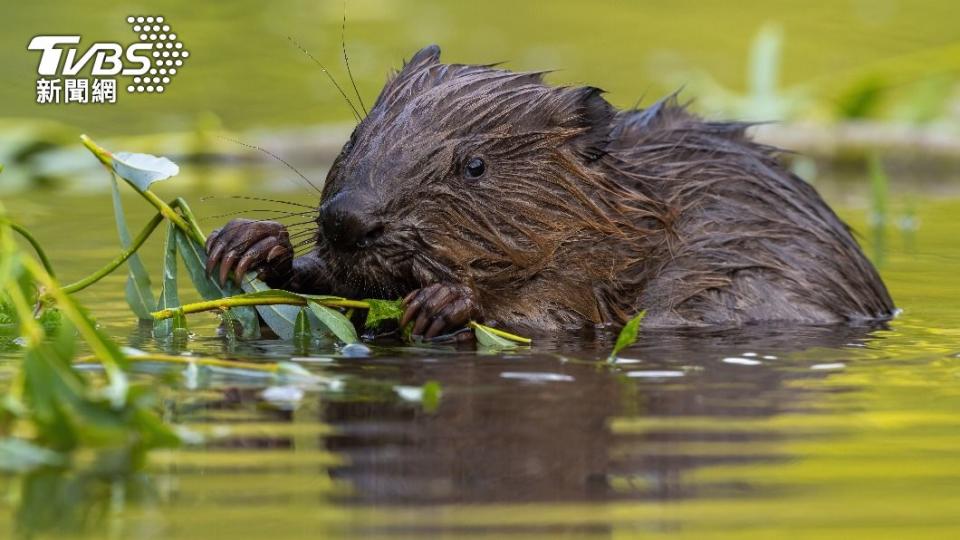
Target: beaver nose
347	225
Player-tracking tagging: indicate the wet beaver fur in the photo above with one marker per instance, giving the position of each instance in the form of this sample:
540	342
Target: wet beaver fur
481	193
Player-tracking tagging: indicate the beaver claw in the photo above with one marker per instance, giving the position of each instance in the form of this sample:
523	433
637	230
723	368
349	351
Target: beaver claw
439	309
243	244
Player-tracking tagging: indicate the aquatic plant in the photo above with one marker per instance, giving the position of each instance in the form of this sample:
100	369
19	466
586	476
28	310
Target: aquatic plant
628	335
49	403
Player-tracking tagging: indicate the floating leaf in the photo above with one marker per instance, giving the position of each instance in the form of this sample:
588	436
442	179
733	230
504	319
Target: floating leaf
628	335
195	261
335	321
138	293
495	338
168	293
431	396
489	339
427	395
383	310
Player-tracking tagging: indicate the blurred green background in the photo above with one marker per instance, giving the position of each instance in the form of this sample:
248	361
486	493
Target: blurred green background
844	81
849	57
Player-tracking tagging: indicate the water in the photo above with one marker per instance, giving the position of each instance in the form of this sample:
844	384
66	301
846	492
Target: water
758	432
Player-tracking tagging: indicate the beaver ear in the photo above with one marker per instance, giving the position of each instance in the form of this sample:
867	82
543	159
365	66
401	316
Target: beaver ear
427	55
583	109
401	78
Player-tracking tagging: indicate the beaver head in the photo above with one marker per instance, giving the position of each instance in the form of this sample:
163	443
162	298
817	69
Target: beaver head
481	176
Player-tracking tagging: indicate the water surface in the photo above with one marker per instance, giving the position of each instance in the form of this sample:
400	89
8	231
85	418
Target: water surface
757	432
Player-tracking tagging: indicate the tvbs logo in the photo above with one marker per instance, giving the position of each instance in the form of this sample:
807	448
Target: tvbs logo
152	62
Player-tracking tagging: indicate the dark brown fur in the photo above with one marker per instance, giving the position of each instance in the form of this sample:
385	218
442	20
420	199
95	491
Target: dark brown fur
585	214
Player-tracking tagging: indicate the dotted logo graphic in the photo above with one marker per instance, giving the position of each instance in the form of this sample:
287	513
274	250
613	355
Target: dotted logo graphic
65	62
166	59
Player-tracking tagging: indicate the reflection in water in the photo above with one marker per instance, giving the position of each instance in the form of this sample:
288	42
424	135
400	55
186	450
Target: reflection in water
538	427
534	428
56	501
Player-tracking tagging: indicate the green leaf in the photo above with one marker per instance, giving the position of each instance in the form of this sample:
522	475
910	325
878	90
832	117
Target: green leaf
142	170
50	318
335	321
48	382
195	260
7	314
106	351
431	396
301	328
65	338
169	297
486	338
153	432
64	409
138	293
280	318
113	361
628	335
383	310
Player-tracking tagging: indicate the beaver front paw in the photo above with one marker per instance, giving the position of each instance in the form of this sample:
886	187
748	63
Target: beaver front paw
243	244
439	309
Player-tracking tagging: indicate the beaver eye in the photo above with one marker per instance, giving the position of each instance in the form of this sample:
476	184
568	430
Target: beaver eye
474	169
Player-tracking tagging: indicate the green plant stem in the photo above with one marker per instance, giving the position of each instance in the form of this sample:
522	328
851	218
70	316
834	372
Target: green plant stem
181	204
99	346
237	301
120	259
501	333
342	302
28	324
173	359
169	213
19	229
145	233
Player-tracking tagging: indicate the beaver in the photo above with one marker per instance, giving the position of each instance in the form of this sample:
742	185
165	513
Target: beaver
475	192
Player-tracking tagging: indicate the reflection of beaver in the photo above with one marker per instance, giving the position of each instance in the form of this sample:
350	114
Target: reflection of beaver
492	195
510	437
